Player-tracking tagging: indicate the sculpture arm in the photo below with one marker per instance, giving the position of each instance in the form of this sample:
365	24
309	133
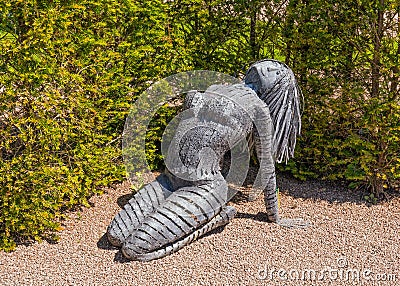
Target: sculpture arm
266	178
262	136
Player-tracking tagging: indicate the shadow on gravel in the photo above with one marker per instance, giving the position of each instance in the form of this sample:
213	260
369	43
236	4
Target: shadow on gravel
120	258
261	216
103	243
123	200
240	197
332	192
318	190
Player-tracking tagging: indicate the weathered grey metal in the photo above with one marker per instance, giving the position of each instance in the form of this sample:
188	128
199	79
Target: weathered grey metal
276	85
190	198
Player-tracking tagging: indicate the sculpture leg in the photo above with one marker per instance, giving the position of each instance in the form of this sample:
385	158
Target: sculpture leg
266	177
271	203
222	218
182	213
144	202
271	199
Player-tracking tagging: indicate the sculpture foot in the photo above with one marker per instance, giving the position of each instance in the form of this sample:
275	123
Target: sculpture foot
136	209
223	218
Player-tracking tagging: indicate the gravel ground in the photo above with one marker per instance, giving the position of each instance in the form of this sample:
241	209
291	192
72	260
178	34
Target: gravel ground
347	237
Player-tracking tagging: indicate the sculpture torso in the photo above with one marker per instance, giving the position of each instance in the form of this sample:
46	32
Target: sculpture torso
218	119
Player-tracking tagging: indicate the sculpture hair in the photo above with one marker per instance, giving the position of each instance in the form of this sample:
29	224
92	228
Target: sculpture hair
275	84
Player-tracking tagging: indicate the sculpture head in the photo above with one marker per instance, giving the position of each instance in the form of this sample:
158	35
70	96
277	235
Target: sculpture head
267	75
275	84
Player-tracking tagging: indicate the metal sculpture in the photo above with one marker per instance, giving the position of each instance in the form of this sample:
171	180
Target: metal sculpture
190	198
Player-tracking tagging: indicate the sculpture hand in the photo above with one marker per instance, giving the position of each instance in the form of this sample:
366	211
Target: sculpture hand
294	223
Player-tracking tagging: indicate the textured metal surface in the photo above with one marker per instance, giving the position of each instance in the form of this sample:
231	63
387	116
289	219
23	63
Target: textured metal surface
190	198
276	85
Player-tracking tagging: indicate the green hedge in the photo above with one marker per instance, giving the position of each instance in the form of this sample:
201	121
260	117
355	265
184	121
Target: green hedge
347	64
66	74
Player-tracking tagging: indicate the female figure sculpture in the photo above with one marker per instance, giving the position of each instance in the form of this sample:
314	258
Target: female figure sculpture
190	198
